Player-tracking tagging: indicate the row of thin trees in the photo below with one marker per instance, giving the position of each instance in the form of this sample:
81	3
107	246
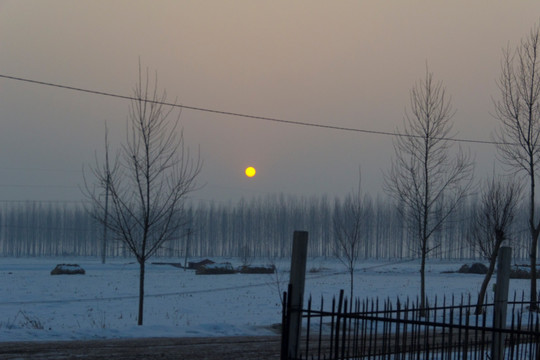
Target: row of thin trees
259	228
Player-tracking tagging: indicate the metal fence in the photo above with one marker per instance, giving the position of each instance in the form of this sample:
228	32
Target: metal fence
445	329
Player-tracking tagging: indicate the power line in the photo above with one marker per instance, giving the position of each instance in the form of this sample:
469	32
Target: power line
256	117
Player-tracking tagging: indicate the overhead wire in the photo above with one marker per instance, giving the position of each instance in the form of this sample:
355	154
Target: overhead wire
248	116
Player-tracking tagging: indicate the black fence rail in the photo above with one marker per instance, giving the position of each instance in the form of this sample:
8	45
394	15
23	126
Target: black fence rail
447	329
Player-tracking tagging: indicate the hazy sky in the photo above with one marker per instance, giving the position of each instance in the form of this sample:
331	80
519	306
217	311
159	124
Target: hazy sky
342	63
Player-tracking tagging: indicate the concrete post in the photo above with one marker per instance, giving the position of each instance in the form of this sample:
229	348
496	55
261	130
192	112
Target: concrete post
297	282
501	301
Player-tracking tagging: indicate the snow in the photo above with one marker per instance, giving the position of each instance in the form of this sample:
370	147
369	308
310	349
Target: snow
103	303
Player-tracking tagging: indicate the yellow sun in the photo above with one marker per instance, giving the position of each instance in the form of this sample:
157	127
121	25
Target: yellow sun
250	171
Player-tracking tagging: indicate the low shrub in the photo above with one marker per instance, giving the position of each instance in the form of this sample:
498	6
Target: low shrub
476	268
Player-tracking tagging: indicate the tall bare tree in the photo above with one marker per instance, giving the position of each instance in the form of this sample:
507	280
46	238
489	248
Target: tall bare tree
349	232
424	178
518	111
148	181
491	224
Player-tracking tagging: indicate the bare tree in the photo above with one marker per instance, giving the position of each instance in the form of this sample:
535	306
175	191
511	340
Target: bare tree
424	179
519	133
148	181
349	232
491	224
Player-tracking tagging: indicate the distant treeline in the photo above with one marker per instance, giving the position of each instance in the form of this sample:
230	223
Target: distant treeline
257	228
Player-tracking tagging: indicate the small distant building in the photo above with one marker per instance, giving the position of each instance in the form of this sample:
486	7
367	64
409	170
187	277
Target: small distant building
216	269
196	265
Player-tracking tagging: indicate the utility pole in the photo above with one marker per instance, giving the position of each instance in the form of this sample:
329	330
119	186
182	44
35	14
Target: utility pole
105	223
107	184
187	248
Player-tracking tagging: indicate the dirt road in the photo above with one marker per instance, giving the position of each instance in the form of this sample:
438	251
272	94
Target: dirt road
222	348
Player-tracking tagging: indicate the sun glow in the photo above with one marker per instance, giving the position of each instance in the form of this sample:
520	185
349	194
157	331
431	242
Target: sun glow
250	171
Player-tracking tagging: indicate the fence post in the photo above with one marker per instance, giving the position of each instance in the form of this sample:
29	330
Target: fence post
296	284
501	301
285	324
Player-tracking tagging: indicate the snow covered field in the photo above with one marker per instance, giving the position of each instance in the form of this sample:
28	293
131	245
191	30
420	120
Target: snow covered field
103	303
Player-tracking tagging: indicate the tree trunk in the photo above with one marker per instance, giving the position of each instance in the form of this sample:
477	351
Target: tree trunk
141	292
534	246
352	286
487	278
423	285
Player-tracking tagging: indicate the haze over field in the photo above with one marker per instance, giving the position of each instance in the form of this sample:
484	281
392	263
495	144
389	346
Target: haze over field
346	64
